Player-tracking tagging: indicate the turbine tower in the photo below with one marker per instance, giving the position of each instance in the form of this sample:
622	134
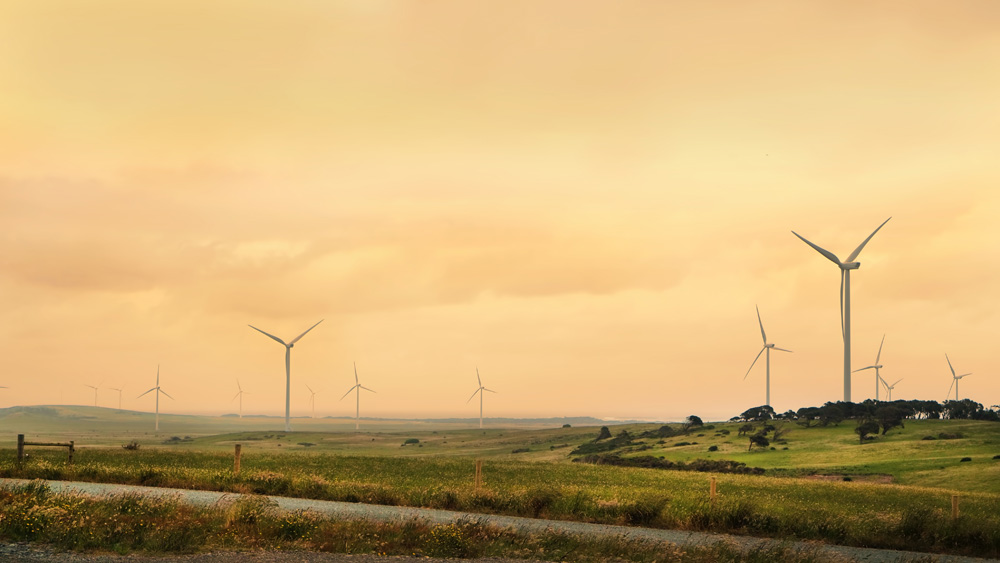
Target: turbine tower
157	394
954	378
480	391
876	366
767	347
239	394
288	368
845	298
357	386
312	399
889	388
95	391
119	389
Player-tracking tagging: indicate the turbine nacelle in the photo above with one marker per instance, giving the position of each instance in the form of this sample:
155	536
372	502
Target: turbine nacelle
849	265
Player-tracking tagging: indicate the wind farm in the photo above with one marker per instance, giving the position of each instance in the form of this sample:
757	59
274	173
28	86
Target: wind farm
586	200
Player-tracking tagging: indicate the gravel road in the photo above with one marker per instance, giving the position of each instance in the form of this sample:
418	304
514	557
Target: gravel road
25	553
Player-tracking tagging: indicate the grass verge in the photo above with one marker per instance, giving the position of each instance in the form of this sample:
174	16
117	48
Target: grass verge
128	523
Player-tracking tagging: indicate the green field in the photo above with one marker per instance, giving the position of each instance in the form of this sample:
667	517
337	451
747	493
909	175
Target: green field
898	495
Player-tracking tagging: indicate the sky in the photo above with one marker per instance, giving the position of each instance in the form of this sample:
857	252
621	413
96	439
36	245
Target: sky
585	200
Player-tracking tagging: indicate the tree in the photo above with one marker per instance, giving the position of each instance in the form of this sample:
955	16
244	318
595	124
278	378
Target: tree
745	429
806	416
758	414
693	420
759	440
865	428
889	417
605	433
780	431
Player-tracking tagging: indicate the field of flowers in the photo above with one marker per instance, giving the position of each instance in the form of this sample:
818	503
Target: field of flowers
851	513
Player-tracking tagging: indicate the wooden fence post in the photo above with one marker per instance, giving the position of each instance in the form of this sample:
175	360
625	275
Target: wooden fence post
236	459
479	474
712	490
954	507
72	449
20	449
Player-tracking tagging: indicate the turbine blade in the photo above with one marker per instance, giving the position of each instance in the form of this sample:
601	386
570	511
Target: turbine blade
949	389
356	373
754	362
831	256
894	384
474	395
310	389
234	397
348	393
782	349
304	333
367	389
863	369
490	390
862	245
963	375
276	339
167	394
153	389
879	355
238	386
949	365
761	323
478	378
843	331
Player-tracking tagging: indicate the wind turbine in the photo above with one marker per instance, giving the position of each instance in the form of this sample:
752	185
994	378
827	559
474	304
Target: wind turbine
95	391
158	391
845	298
359	387
876	366
312	399
288	367
119	389
768	347
480	391
889	388
954	378
240	395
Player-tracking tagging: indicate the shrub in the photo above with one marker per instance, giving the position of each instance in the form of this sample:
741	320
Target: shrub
713	448
131	446
411	441
965	459
519	450
644	511
950	435
928	438
682	444
450	540
996	456
566	426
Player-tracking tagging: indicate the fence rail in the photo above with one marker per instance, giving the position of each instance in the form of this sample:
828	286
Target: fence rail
21	443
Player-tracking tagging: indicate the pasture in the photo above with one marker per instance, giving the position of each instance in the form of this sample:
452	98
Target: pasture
898	493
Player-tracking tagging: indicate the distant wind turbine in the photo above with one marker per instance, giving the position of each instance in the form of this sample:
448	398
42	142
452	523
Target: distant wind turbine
876	366
288	368
845	298
480	391
357	386
157	394
954	378
889	388
95	391
239	395
312	399
119	389
767	347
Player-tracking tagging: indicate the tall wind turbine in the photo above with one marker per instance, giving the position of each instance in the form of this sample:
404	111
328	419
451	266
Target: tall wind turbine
889	388
95	391
876	366
954	378
239	395
357	386
288	368
119	389
158	391
312	399
480	391
845	298
767	347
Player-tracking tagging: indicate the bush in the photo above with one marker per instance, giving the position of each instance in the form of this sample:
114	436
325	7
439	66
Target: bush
713	448
965	459
131	446
411	441
950	435
928	438
682	444
450	540
566	426
519	450
996	456
644	511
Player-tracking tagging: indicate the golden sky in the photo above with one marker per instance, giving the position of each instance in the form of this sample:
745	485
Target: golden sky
584	199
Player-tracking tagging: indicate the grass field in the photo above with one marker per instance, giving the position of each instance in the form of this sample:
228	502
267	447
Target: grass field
899	495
